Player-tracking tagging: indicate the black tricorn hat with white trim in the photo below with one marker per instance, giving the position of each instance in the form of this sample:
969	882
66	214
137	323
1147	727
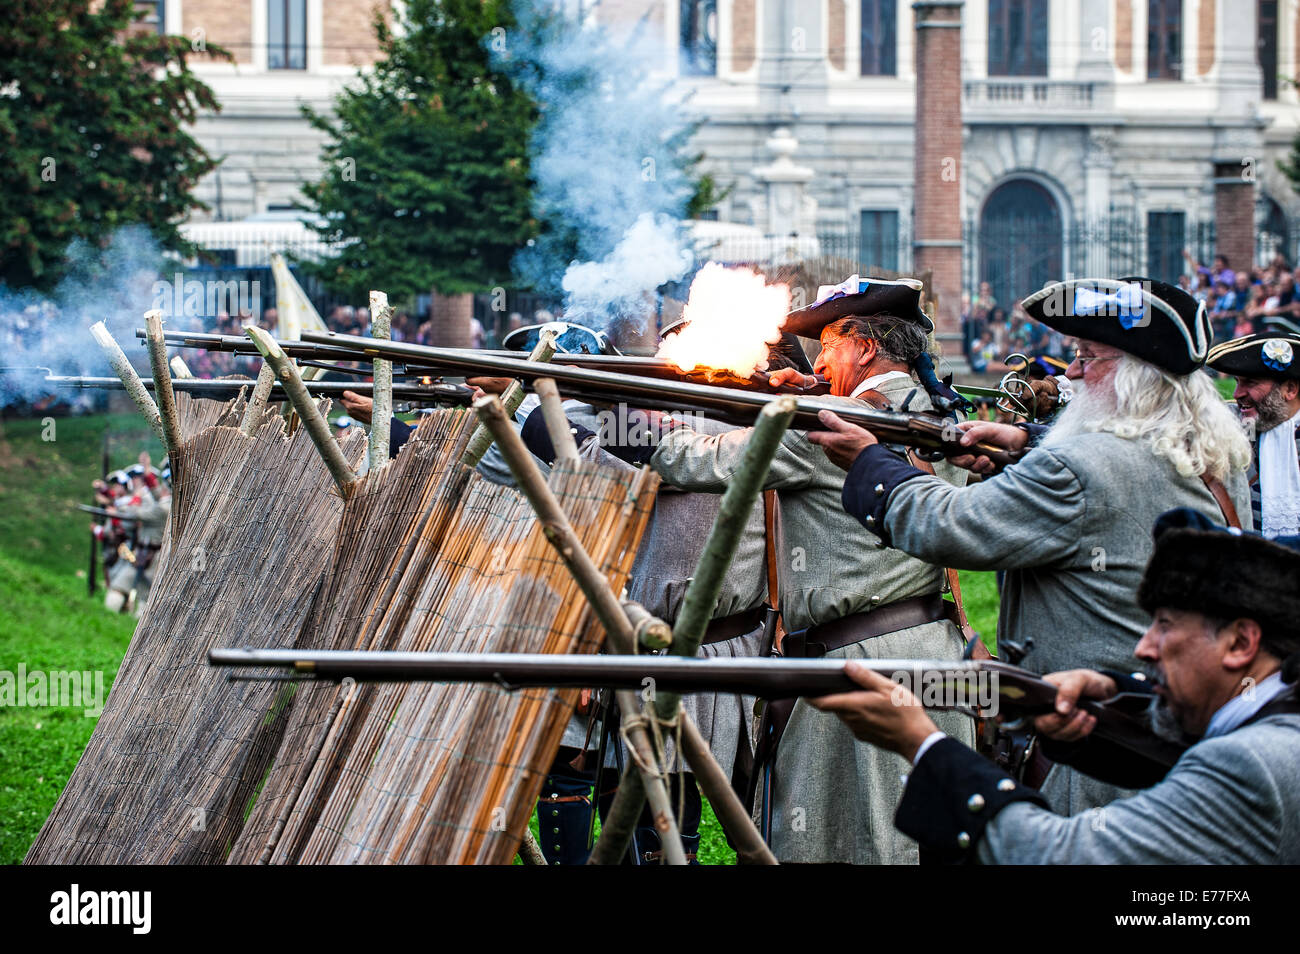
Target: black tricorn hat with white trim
1152	320
1264	355
860	298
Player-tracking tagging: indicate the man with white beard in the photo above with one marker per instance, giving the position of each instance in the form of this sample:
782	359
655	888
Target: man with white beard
1268	400
1069	523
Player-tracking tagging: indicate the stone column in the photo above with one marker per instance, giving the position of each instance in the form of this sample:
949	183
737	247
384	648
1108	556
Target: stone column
788	206
1234	212
937	209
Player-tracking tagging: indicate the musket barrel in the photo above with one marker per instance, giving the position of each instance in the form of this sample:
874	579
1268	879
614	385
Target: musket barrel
222	388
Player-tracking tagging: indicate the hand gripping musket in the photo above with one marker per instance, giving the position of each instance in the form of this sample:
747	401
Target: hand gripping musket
225	388
932	435
989	686
316	354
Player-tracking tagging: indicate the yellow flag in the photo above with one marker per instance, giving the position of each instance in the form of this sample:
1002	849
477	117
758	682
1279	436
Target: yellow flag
295	310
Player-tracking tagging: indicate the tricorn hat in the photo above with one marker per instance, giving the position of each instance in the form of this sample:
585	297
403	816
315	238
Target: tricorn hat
570	338
1258	356
861	298
1201	567
1152	320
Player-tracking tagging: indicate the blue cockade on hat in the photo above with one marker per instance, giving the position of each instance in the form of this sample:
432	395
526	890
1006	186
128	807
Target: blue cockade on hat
853	285
1277	355
1125	304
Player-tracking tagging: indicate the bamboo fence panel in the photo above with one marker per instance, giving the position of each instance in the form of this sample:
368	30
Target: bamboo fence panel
425	773
179	750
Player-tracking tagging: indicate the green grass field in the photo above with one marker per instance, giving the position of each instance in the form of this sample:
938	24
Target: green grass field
51	624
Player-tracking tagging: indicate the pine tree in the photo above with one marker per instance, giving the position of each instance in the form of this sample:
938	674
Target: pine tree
427	185
92	132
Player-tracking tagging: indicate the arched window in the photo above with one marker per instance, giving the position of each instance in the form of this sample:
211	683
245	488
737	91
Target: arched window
1019	240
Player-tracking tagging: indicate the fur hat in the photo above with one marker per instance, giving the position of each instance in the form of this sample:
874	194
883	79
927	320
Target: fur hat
1152	320
1199	566
1275	356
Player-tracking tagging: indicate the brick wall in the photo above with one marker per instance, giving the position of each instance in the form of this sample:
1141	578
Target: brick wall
836	38
1205	37
938	156
450	316
1124	35
744	34
1234	214
223	22
348	34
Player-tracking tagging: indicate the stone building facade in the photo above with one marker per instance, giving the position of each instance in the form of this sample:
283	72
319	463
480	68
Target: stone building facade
1084	136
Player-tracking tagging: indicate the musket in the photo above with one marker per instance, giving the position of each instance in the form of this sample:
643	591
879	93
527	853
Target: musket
992	687
930	433
101	512
318	354
436	392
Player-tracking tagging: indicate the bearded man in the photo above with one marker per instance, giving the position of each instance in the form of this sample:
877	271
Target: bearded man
1069	522
1268	400
1223	655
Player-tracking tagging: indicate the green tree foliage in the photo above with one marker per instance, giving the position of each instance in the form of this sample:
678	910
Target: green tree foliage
428	181
92	132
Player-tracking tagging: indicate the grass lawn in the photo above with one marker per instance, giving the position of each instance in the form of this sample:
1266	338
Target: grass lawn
51	625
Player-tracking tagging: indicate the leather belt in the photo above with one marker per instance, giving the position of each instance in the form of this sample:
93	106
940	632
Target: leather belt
825	638
729	627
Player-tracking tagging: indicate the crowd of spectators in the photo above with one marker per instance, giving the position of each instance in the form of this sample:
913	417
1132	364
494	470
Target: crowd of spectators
1240	302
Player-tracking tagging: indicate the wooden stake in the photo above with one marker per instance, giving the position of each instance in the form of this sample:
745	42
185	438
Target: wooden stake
530	852
510	400
693	618
651	632
130	380
162	381
257	403
381	324
180	370
310	415
595	587
557	425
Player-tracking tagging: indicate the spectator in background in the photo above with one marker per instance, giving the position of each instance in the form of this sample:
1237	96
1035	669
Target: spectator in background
270	319
1220	273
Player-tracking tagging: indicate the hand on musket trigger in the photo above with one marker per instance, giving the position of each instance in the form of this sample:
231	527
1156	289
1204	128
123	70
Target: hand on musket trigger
1070	723
841	441
973	432
358	406
885	714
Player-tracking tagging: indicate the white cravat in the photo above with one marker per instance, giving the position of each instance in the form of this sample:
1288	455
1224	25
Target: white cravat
875	379
1241	707
1279	480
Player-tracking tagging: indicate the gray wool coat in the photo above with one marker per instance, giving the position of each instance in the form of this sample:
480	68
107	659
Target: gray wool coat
1071	524
833	796
1234	799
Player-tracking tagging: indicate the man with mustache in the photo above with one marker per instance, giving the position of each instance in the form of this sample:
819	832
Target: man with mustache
1224	647
1268	400
1068	522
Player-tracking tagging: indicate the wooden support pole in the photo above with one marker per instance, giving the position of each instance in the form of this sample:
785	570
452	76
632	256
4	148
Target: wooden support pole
180	370
530	852
701	597
697	609
308	413
481	440
594	586
130	380
381	324
257	402
557	425
162	381
651	632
